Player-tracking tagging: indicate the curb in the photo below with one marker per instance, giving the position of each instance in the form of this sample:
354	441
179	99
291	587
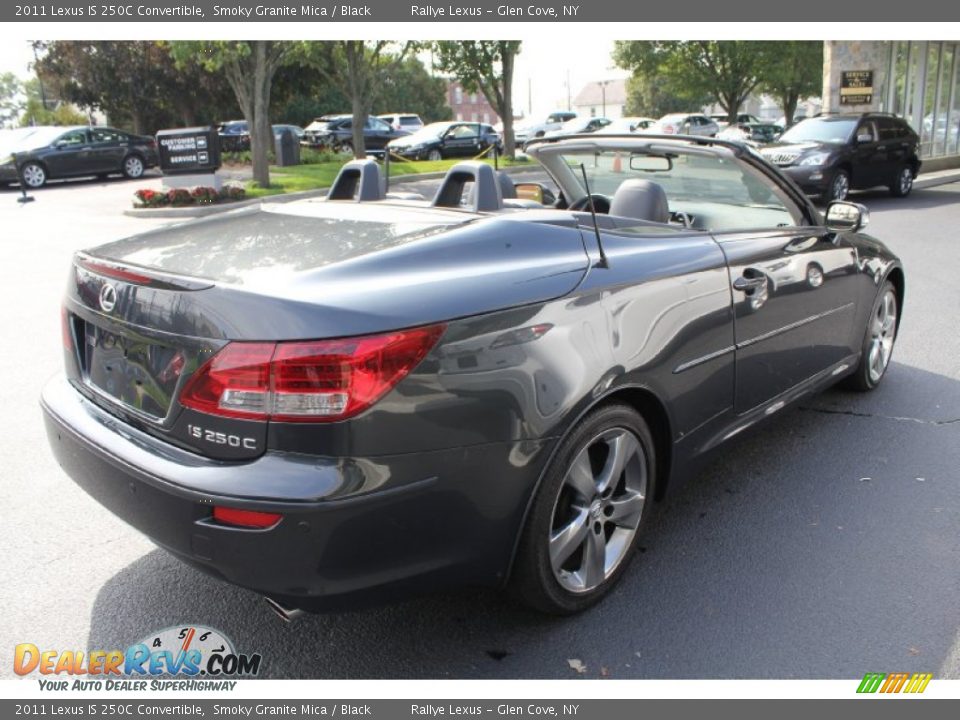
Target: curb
204	210
944	178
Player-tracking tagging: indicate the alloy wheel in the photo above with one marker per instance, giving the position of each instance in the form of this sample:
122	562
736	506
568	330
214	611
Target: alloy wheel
841	186
598	510
33	175
905	180
133	167
883	331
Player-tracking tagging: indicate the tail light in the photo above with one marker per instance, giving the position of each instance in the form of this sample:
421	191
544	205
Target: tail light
668	130
318	381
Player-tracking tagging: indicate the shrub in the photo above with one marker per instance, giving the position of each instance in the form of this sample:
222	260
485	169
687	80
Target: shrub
180	197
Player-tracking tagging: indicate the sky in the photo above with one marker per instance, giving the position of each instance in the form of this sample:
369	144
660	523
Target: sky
540	75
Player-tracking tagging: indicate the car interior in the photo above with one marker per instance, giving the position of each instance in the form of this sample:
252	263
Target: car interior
657	185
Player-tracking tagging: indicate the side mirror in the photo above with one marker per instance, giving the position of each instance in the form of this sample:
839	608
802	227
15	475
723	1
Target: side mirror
846	217
864	138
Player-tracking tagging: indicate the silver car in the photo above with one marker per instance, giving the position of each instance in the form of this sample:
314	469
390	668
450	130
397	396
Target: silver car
685	124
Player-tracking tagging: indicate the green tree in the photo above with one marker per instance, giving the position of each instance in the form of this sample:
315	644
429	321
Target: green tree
249	68
46	108
485	66
726	71
410	88
794	70
651	96
358	69
137	84
12	98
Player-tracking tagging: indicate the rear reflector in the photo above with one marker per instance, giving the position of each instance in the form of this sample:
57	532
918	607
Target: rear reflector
245	518
318	381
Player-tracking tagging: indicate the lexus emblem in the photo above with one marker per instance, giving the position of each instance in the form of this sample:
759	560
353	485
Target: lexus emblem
108	297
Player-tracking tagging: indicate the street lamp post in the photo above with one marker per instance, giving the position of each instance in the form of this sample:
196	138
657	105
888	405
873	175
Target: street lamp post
603	95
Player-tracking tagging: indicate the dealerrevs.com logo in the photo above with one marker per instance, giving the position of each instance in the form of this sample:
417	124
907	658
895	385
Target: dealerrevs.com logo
190	657
891	683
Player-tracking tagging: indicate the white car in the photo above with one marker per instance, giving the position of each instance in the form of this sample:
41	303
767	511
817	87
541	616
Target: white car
538	128
625	125
685	124
410	122
579	126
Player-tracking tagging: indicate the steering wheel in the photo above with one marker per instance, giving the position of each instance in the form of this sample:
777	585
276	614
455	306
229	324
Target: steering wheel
601	204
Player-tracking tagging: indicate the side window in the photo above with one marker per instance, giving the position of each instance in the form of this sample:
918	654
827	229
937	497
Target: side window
867	128
106	135
76	137
888	129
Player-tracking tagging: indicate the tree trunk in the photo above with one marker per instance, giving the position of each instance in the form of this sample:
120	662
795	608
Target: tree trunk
358	95
790	101
506	112
260	133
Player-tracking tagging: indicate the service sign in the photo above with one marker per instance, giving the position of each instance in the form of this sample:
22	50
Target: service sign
856	87
188	150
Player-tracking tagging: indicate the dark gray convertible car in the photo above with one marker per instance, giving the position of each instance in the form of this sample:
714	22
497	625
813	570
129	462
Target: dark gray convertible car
332	401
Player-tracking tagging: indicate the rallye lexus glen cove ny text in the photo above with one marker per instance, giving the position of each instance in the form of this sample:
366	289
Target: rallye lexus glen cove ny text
331	401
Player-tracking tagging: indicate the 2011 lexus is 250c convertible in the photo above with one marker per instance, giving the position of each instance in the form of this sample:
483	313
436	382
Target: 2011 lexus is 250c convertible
334	400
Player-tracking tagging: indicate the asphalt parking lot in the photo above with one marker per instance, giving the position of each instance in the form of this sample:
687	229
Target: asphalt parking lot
825	545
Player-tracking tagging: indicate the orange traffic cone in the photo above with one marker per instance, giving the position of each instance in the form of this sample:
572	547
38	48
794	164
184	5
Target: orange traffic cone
617	163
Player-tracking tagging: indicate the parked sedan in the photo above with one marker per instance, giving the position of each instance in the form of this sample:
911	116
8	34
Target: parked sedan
685	124
579	125
624	125
335	132
365	397
755	134
445	139
38	154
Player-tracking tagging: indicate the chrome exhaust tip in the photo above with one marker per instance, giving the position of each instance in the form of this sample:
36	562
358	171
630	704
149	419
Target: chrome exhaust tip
287	614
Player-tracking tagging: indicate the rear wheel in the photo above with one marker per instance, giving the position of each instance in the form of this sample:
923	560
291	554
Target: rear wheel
133	167
878	341
903	183
585	519
34	175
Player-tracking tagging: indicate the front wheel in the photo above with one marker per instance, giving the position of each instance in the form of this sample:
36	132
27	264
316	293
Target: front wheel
346	148
878	341
34	175
434	155
839	187
903	183
133	167
586	516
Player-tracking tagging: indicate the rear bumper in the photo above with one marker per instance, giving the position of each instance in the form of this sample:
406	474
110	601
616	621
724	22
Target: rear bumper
375	528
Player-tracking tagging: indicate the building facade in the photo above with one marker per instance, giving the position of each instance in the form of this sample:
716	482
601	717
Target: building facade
917	80
470	107
602	98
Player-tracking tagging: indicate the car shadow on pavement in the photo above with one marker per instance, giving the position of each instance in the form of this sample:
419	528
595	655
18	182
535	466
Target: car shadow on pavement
822	546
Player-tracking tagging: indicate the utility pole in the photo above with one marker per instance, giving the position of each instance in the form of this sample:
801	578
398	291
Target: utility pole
603	94
569	105
36	60
529	96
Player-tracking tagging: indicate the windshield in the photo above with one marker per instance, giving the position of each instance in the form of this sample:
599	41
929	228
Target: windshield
28	138
717	191
822	130
429	132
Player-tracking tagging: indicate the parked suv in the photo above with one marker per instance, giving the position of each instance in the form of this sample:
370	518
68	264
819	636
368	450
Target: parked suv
528	130
829	155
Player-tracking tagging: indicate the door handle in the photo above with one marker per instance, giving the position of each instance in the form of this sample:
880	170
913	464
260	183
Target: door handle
749	284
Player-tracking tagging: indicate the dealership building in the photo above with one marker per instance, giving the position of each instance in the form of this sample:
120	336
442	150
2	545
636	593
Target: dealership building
917	80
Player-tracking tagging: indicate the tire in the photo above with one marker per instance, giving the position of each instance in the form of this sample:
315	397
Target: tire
839	187
903	182
345	148
434	155
133	167
878	341
34	175
595	496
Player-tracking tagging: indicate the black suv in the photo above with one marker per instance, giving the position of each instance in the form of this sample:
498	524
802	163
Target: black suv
828	155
